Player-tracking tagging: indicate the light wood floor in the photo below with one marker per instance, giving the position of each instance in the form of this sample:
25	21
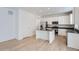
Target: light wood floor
31	44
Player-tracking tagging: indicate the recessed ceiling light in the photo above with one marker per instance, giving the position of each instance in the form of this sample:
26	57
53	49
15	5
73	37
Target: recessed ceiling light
48	8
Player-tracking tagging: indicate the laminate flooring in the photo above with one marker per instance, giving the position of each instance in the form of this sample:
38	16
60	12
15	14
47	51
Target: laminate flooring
31	44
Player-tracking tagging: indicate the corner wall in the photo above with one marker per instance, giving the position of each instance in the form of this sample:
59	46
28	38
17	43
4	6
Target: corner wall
27	24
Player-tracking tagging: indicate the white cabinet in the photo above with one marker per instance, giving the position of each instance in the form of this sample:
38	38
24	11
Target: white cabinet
45	35
73	40
62	32
42	34
51	36
76	17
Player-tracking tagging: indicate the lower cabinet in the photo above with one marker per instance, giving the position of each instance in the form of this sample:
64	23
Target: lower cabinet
73	40
62	32
45	35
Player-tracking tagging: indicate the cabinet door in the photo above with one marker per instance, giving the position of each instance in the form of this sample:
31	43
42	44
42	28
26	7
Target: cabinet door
42	35
51	36
73	40
62	32
76	16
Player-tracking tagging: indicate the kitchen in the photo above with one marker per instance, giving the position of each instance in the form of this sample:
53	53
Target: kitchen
61	24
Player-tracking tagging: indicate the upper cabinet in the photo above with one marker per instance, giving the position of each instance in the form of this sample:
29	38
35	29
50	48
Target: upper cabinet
76	17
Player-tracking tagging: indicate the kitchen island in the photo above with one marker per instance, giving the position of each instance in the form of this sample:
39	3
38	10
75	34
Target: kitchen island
45	35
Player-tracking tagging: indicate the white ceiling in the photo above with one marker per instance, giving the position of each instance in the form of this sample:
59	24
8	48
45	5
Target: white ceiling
41	11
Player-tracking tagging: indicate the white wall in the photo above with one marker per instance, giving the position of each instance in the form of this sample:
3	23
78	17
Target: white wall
27	24
18	25
8	22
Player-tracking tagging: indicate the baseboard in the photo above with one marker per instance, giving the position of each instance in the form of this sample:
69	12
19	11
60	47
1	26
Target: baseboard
8	40
25	36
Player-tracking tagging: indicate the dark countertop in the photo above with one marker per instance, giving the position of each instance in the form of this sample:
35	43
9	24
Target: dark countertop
73	31
60	26
70	28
